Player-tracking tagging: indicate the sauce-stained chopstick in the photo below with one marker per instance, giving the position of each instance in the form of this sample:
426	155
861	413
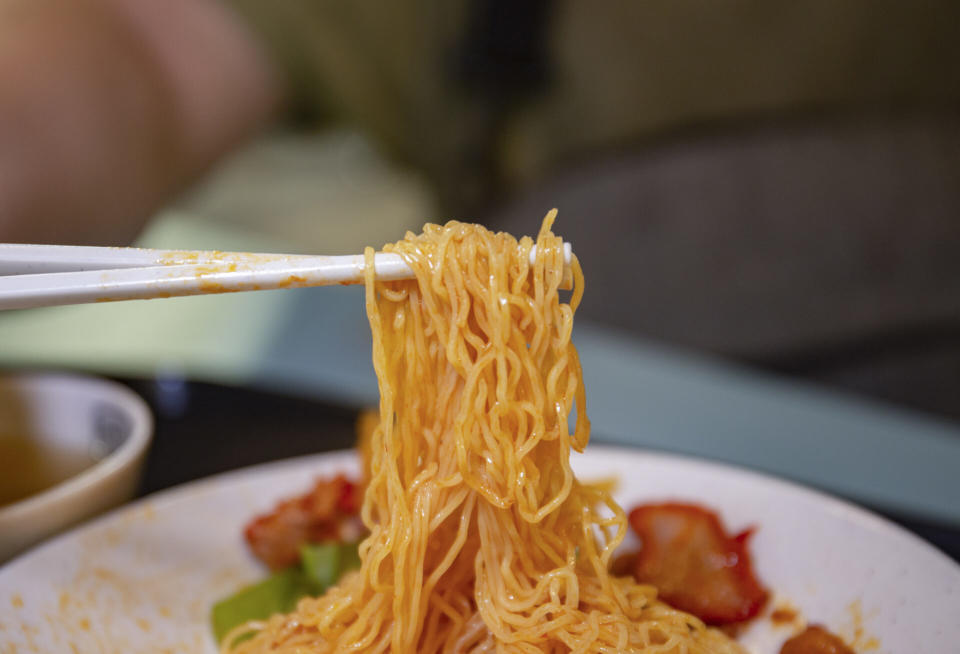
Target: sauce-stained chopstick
40	275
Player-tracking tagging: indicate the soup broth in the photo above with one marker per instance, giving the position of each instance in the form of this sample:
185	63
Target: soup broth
29	466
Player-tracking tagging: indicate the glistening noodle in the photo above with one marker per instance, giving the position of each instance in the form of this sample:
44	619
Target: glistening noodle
481	537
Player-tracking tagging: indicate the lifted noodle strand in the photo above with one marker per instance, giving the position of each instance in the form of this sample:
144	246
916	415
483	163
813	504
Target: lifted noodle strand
481	537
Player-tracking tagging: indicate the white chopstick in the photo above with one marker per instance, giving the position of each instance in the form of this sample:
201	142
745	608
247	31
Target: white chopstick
49	275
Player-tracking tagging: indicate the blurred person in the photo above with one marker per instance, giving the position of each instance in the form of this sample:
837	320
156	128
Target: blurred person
111	106
108	107
662	130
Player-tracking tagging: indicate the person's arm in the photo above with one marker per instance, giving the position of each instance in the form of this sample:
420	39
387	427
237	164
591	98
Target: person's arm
108	107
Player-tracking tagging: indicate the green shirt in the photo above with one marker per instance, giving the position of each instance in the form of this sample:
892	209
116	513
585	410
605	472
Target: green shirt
616	72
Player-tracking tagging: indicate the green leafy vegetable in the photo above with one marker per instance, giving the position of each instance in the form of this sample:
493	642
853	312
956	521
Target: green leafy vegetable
324	564
278	593
320	567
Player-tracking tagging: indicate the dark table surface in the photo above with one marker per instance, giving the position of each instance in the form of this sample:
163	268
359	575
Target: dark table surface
204	429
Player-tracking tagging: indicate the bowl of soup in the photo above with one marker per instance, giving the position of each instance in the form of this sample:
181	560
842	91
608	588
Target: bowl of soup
71	446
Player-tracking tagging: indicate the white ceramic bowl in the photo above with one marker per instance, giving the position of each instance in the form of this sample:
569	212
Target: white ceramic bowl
71	414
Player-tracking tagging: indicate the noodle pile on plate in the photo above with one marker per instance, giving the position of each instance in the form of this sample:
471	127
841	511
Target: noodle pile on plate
481	537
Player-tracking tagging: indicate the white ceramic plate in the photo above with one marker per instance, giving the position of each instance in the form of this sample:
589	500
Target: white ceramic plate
142	579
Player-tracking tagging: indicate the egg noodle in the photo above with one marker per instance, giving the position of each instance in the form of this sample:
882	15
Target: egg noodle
481	537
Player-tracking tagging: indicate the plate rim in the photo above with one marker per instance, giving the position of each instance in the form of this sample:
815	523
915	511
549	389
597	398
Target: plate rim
180	492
